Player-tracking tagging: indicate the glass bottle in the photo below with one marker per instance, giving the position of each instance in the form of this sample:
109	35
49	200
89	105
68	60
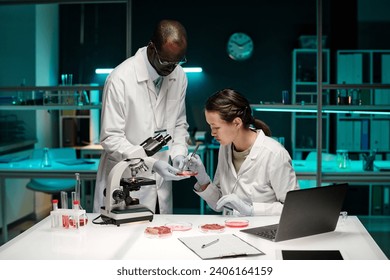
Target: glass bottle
338	97
46	162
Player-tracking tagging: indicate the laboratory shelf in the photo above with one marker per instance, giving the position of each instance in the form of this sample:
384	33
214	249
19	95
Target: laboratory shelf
50	107
337	109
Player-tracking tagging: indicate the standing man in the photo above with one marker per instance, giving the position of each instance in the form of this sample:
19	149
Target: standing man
143	96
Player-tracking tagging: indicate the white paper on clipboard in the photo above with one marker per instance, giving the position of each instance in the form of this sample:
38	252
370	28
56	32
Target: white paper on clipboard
228	246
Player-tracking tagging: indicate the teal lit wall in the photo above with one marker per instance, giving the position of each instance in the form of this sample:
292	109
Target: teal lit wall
275	27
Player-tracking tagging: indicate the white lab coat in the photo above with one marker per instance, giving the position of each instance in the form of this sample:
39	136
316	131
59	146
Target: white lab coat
130	110
265	176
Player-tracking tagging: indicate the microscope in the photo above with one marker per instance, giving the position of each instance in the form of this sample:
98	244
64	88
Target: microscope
119	207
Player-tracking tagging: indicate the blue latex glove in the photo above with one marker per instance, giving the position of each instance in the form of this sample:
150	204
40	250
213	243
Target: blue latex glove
194	163
178	161
166	171
236	203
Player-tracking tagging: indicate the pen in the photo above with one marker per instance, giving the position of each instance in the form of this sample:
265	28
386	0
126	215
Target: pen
192	155
210	243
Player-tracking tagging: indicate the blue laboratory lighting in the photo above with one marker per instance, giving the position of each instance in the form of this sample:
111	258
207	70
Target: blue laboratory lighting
193	69
106	71
103	70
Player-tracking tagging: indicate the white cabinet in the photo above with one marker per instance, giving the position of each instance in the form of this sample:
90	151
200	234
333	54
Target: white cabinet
304	92
362	133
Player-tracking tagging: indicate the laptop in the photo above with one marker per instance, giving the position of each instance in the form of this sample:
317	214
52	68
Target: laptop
305	212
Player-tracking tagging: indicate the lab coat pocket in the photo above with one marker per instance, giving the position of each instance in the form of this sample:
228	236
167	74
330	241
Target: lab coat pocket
172	115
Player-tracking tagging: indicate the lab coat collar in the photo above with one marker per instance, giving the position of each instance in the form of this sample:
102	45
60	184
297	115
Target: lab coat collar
253	154
144	70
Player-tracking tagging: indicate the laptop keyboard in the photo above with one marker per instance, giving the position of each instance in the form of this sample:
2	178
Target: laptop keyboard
269	234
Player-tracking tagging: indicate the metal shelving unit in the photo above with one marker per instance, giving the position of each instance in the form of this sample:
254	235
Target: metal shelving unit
370	131
67	112
304	91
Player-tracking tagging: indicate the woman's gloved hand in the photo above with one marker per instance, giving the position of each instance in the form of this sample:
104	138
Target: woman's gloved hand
178	161
195	164
166	171
236	203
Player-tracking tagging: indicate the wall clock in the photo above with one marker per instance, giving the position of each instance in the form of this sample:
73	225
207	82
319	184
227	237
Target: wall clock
240	46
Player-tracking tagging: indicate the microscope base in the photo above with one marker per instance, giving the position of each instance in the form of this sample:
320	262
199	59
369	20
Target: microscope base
134	213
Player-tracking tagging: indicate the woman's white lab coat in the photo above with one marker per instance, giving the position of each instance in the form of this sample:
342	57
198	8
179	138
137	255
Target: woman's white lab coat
131	113
265	176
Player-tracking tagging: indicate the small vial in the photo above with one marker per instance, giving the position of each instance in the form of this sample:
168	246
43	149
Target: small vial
55	204
285	97
338	97
55	222
343	217
74	219
78	220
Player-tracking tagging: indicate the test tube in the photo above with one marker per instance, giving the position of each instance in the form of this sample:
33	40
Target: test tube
64	200
77	187
64	205
74	197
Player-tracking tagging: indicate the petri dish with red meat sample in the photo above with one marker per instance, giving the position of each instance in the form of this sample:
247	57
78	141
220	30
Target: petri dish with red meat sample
179	226
212	228
158	232
236	223
187	173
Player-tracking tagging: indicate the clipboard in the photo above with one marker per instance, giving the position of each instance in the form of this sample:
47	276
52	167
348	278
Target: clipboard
220	246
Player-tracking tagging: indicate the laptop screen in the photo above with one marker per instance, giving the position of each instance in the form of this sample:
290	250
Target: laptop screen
308	212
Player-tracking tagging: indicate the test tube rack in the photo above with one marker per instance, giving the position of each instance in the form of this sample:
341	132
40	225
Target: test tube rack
68	219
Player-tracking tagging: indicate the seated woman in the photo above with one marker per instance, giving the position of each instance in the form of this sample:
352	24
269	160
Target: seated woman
254	171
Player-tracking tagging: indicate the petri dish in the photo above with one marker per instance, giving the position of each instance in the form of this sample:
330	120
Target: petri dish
179	226
158	232
212	228
186	173
236	223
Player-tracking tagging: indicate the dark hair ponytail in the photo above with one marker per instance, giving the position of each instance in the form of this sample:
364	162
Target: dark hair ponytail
263	126
230	104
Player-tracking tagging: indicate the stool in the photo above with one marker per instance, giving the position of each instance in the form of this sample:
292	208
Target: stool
53	186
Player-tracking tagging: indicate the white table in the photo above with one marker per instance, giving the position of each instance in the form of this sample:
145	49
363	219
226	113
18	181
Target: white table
31	168
129	242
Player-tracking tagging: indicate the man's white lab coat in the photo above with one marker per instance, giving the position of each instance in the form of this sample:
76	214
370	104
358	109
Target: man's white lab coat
131	113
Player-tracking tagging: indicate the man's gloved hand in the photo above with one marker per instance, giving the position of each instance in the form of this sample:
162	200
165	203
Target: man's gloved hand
195	164
178	161
166	171
236	203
